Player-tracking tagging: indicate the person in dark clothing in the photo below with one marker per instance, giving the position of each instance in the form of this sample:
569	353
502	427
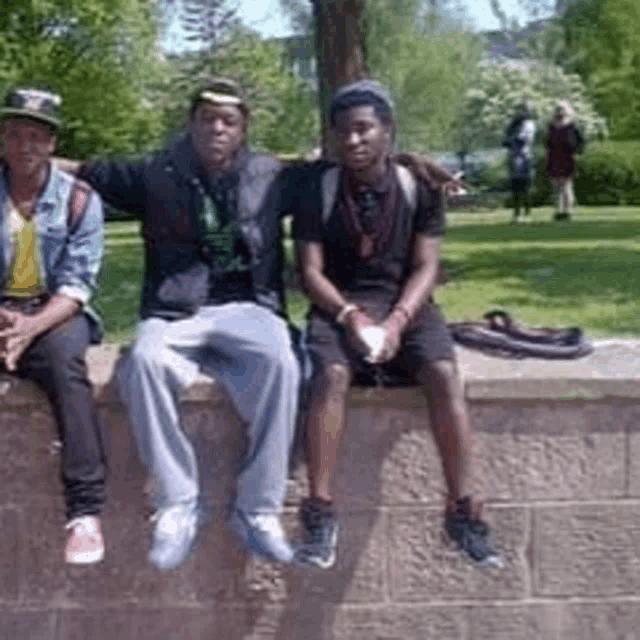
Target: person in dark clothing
52	236
370	269
562	143
212	299
519	140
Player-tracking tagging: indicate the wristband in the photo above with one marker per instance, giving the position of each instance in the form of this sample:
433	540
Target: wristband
345	311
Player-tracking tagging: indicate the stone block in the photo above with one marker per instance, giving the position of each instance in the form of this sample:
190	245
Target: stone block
176	623
425	568
98	624
587	550
10	559
219	438
634	452
392	622
618	620
127	476
42	542
389	457
30	461
634	465
16	624
218	564
313	621
549	450
514	622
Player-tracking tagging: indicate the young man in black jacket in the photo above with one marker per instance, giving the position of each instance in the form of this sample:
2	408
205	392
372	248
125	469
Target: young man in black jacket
212	299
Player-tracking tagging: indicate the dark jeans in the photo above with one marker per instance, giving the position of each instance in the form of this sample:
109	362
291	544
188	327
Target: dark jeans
520	188
56	362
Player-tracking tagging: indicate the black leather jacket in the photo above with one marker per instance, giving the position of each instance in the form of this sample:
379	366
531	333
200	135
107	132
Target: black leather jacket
167	195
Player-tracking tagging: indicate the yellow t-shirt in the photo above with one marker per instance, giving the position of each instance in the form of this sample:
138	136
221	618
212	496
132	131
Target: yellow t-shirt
25	276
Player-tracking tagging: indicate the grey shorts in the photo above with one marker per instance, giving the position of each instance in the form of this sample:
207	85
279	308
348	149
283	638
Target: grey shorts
426	340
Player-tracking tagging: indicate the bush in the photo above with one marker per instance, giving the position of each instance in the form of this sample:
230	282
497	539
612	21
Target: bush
608	173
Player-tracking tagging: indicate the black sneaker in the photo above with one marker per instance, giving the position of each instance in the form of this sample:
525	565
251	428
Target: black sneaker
320	536
472	535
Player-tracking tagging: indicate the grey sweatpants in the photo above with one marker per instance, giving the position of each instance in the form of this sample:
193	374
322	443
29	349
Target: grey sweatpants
248	349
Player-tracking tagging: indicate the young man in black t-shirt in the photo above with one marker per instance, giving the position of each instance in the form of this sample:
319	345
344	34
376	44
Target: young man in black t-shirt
369	265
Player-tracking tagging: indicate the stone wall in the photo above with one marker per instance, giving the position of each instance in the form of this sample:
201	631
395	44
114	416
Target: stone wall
559	451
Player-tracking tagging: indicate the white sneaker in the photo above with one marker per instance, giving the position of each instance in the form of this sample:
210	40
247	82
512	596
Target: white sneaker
85	544
263	534
173	537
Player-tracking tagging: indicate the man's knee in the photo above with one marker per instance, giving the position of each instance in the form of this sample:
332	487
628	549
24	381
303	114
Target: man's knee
442	379
145	351
333	381
62	354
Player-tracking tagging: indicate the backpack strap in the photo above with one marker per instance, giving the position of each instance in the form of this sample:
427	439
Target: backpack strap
331	178
78	201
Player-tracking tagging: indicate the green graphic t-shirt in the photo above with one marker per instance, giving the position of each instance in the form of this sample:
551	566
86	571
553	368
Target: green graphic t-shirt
224	248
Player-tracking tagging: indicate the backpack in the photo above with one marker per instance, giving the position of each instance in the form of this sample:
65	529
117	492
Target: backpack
331	180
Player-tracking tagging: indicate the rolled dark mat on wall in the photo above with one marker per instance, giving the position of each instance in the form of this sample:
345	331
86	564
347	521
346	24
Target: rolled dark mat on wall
500	336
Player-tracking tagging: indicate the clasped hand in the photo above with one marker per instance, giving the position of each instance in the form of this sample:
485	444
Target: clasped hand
17	332
393	327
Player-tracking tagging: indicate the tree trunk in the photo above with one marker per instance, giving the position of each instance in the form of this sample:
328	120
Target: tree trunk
340	50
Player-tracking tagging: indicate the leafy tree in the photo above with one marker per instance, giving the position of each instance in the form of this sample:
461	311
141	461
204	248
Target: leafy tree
99	54
284	111
602	44
422	53
418	48
208	22
599	40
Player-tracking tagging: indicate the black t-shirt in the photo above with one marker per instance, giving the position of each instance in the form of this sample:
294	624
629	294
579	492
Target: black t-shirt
385	274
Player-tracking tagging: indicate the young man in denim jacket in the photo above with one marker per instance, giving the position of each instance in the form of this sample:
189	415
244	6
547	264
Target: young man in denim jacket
52	238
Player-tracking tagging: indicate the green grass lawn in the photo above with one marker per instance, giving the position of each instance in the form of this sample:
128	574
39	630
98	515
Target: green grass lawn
583	273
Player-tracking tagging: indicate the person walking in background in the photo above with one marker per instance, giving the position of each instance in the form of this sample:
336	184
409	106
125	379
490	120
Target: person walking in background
562	143
52	235
519	141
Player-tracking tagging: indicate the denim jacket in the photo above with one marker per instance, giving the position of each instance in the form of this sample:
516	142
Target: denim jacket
70	255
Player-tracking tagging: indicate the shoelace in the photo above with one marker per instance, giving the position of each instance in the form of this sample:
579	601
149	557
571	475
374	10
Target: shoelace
314	520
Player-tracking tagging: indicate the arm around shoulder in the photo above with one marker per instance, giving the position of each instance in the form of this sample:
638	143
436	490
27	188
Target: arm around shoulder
77	277
120	184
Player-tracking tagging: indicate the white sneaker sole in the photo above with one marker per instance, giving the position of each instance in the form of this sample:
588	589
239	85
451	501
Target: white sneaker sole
86	557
